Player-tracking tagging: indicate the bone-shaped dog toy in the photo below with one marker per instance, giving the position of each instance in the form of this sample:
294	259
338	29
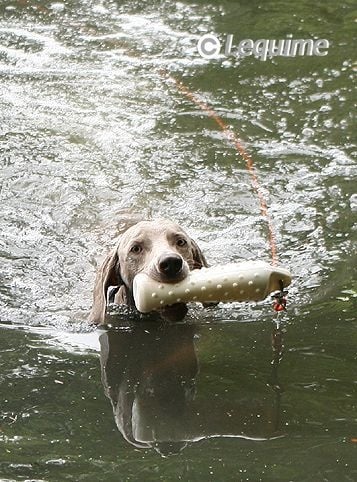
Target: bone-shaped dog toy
245	281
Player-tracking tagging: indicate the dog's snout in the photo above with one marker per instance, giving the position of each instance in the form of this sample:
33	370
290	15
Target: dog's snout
170	265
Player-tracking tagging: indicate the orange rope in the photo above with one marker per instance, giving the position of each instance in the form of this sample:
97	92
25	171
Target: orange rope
233	139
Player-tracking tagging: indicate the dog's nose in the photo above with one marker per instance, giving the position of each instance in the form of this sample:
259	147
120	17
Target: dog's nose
170	265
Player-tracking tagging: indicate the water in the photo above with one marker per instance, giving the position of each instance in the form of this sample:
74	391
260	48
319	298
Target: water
93	137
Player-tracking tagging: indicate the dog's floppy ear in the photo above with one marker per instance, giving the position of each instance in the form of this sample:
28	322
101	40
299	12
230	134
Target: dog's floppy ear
200	262
198	257
108	275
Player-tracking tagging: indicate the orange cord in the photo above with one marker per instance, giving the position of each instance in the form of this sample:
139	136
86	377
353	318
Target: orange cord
233	139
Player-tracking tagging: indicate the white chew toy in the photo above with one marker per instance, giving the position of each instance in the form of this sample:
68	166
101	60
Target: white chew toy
245	281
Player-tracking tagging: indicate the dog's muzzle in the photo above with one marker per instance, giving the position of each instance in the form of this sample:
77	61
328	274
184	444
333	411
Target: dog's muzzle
169	267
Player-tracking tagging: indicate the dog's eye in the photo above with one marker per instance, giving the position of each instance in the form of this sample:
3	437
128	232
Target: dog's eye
181	242
136	249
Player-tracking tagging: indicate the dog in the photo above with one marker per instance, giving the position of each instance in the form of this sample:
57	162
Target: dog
162	250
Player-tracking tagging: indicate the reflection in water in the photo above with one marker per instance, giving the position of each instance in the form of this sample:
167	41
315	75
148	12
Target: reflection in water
150	374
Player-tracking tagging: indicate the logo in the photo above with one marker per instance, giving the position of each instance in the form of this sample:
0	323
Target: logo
209	46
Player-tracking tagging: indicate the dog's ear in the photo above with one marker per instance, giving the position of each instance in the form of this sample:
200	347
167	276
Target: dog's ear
108	275
200	262
198	257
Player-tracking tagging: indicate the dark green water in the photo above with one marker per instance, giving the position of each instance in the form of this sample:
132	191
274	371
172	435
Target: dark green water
91	137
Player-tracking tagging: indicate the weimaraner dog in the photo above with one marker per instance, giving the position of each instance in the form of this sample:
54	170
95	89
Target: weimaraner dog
161	249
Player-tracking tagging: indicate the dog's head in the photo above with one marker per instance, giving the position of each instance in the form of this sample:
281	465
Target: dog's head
161	249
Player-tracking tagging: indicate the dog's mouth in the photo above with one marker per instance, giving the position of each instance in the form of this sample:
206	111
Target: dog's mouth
170	269
162	278
170	275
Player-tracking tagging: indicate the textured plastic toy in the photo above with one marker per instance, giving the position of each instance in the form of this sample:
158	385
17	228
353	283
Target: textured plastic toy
245	281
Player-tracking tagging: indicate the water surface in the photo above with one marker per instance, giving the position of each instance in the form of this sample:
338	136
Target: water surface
92	138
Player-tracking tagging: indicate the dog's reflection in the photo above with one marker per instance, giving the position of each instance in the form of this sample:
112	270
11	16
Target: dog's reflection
150	374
